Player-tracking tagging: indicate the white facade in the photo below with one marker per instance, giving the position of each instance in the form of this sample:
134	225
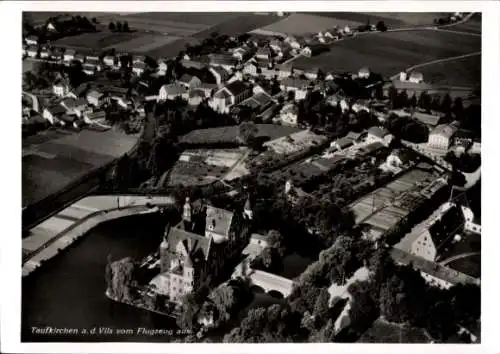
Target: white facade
60	89
31	41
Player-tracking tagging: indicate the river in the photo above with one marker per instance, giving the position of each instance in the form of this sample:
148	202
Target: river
68	291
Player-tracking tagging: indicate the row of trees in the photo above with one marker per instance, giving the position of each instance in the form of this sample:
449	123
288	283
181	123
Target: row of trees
118	26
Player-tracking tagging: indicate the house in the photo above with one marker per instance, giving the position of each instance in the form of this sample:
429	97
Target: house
187	259
364	73
95	98
342	143
171	91
78	91
79	57
92	117
311	74
251	68
299	86
53	114
189	81
427	238
306	51
138	59
95	62
242	53
357	107
69	55
230	95
293	42
44	53
220	75
379	134
31	40
224	60
74	106
398	159
25	47
196	96
162	67
32	51
138	68
259	102
109	60
60	88
289	114
194	64
56	54
207	88
428	119
416	77
89	69
122	100
263	53
441	137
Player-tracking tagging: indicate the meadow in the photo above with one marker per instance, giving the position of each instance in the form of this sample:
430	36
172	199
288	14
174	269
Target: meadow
390	52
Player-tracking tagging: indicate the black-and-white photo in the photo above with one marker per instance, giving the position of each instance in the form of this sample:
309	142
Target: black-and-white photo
251	177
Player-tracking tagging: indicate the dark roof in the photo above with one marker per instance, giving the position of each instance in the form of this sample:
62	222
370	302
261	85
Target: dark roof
56	109
223	59
193	64
295	82
378	131
222	220
96	115
237	87
345	141
195	245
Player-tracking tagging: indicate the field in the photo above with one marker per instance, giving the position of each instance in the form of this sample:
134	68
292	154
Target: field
230	134
53	159
391	19
301	24
460	72
385	332
97	40
391	52
472	26
144	43
203	166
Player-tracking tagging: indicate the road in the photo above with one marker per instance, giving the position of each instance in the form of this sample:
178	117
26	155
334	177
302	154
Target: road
459	256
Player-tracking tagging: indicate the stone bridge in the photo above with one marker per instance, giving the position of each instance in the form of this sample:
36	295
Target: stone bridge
261	281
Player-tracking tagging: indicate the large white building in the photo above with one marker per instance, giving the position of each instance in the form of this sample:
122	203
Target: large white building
441	137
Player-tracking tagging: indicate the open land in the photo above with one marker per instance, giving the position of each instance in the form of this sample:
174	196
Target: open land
97	40
459	72
473	25
229	134
55	159
391	19
300	24
390	52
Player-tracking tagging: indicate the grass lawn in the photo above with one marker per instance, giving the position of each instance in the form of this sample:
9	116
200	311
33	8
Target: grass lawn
185	18
391	52
472	26
97	40
145	43
229	134
460	72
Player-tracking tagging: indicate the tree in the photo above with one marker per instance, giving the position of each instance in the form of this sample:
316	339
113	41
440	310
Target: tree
247	131
425	101
413	101
321	307
122	276
188	312
225	301
381	26
364	305
393	96
119	27
403	99
94	20
446	104
125	27
111	26
276	241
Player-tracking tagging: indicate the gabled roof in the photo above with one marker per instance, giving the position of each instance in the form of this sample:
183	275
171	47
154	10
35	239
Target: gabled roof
95	94
445	130
69	52
197	93
295	82
139	65
223	59
258	100
174	89
96	115
222	72
193	64
345	141
220	219
207	86
195	245
72	103
32	48
186	78
237	87
56	110
378	132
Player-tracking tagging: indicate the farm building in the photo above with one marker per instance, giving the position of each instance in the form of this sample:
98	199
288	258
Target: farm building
230	95
60	88
138	68
32	51
364	73
171	91
69	55
189	81
299	86
441	137
224	60
220	75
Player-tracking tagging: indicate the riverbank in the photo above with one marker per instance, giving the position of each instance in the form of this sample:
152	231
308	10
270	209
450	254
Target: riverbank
34	259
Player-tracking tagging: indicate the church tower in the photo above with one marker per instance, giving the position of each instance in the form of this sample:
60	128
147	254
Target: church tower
247	209
164	259
187	215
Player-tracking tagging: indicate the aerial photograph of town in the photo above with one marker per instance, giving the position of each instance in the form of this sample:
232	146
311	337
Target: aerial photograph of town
251	177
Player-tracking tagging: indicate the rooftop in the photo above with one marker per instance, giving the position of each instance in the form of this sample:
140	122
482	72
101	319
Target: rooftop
218	220
445	130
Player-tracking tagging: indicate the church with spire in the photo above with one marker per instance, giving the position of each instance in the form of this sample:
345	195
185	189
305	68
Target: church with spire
200	248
